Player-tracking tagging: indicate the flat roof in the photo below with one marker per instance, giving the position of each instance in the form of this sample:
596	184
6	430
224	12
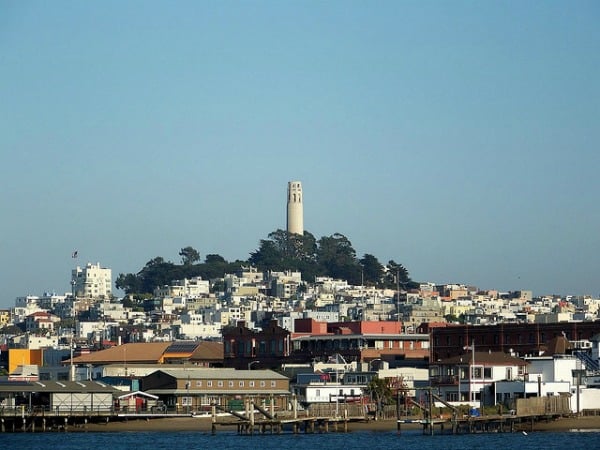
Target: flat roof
400	337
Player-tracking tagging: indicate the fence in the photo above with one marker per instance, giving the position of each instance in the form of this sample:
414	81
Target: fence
540	406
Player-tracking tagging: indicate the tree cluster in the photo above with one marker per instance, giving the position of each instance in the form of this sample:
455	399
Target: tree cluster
331	256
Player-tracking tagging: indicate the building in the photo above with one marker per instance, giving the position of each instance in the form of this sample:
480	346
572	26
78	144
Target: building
518	338
41	321
465	379
194	389
193	287
92	281
57	396
295	213
244	347
4	317
201	353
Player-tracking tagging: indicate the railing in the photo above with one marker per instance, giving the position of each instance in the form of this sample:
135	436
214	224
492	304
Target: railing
60	411
590	363
444	379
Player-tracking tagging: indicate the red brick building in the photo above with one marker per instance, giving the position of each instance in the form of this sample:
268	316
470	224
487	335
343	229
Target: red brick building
520	339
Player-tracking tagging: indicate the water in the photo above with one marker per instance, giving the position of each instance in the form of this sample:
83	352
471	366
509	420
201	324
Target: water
340	441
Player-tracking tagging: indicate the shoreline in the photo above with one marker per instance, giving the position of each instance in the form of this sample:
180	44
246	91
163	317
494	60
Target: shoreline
187	424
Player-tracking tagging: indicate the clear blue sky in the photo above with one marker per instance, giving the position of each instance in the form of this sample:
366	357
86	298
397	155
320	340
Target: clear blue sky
458	138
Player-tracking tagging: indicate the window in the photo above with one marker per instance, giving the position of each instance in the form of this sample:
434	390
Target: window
241	384
209	383
477	372
273	384
220	383
230	383
198	383
487	372
251	384
263	383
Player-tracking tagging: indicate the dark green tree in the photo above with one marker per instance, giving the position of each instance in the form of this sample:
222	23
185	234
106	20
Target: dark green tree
189	256
337	258
397	276
372	270
130	283
214	259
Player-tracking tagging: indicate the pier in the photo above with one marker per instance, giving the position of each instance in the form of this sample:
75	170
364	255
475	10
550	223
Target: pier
256	419
527	413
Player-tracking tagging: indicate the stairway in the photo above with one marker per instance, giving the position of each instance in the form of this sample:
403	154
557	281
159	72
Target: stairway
584	356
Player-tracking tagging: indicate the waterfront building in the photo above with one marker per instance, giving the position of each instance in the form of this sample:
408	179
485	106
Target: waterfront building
197	389
463	379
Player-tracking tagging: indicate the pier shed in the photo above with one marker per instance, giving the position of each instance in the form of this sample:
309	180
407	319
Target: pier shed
57	396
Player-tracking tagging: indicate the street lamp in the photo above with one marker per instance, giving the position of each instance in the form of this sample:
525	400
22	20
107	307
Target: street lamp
251	363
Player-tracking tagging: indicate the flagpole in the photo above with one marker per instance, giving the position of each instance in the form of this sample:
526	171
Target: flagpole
471	369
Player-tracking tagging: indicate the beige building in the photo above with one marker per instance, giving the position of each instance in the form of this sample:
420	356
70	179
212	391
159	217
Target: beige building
197	389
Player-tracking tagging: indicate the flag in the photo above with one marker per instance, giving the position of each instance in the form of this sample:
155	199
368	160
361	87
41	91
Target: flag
74	254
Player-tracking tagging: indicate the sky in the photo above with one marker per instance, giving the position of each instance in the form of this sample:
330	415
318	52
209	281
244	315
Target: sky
457	138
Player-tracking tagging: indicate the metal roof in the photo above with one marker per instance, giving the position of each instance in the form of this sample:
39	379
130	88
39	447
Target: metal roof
56	386
223	373
196	392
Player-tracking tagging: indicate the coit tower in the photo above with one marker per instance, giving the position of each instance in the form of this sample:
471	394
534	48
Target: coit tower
295	219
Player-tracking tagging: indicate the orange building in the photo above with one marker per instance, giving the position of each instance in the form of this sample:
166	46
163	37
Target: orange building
23	357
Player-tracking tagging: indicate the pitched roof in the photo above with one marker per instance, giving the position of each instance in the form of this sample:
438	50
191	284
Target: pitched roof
558	346
141	352
208	351
56	386
223	373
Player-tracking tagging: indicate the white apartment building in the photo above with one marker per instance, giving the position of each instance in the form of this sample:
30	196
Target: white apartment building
199	330
92	281
191	288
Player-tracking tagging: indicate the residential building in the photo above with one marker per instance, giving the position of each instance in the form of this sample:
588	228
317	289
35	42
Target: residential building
92	281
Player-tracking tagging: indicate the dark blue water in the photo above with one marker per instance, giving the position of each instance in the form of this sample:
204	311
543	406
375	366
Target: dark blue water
338	441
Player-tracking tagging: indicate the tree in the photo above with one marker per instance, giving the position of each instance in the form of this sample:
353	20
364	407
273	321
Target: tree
267	257
380	393
396	274
130	283
337	258
189	255
372	269
214	259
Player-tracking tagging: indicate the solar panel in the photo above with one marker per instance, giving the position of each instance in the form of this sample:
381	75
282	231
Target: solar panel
182	347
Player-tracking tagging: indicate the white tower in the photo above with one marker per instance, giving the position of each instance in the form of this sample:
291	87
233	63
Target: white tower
295	214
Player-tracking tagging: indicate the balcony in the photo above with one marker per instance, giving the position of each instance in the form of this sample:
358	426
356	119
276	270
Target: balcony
443	380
